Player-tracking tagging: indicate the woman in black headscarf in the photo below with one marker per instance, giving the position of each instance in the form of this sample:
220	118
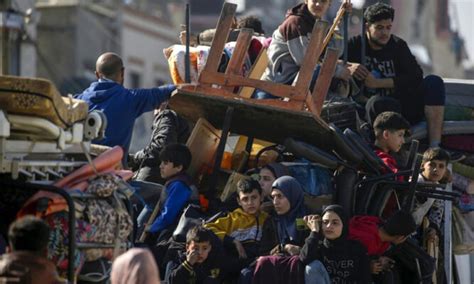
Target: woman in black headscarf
346	261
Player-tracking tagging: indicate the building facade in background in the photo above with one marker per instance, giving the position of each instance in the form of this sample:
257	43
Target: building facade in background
72	34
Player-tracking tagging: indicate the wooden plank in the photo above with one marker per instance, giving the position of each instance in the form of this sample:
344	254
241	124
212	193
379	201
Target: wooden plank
254	120
311	57
316	100
234	67
279	90
256	72
337	19
292	104
240	51
202	143
220	37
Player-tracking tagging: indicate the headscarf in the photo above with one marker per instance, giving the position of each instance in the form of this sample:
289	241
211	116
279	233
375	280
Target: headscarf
292	190
135	266
277	169
339	210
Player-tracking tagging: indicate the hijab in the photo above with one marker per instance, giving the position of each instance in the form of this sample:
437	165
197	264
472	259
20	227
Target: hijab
339	210
292	190
277	169
136	266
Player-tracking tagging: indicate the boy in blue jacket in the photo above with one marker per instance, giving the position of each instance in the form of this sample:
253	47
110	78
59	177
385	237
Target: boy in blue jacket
177	192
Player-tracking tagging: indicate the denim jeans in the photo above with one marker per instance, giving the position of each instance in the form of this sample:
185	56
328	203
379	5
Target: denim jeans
315	272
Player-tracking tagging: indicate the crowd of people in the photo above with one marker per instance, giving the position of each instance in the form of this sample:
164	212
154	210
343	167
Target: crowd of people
268	235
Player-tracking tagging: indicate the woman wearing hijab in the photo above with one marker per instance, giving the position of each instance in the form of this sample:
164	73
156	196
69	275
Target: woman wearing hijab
283	236
346	261
136	266
284	233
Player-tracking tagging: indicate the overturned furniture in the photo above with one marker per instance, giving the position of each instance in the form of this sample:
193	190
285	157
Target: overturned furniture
223	98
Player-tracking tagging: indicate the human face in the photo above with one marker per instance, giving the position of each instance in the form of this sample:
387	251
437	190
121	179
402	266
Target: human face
266	180
250	202
331	225
318	8
379	33
280	202
394	139
167	169
434	170
202	248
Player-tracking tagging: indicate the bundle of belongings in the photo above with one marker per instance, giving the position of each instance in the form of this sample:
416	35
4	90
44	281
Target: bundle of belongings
99	194
175	55
463	213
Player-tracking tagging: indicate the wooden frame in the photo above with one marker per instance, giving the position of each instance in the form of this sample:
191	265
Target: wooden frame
295	97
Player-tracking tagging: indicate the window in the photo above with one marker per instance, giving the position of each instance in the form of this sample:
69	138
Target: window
135	80
442	17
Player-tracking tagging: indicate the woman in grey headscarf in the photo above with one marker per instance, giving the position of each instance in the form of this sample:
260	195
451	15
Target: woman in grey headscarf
284	232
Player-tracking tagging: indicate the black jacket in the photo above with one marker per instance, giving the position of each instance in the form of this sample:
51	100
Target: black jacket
211	271
394	60
346	261
168	128
270	238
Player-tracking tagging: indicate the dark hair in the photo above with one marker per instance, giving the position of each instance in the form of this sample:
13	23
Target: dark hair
277	169
109	64
401	223
248	185
198	234
378	12
29	234
178	154
390	120
251	22
436	154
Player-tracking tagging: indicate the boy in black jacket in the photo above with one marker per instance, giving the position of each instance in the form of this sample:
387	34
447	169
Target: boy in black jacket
199	263
392	78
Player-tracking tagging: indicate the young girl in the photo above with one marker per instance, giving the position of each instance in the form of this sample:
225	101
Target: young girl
268	174
346	261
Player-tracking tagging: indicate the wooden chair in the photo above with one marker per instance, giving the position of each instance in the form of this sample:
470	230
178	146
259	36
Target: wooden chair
297	97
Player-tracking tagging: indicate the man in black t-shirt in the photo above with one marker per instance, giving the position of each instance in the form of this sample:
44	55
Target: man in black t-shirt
392	78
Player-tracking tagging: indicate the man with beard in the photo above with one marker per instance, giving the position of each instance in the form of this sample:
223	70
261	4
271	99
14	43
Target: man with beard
392	78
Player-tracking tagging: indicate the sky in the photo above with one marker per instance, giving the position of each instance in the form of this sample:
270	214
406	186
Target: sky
461	12
240	4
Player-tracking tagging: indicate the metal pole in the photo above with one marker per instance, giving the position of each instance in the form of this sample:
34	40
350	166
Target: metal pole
362	49
448	245
220	151
5	34
187	61
346	35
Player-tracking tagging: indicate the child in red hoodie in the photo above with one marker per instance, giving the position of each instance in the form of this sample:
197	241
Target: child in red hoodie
377	236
